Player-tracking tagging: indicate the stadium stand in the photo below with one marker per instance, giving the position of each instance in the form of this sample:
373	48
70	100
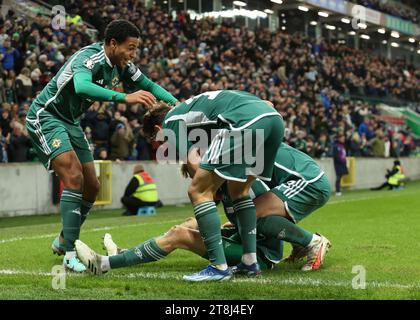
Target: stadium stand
406	9
312	85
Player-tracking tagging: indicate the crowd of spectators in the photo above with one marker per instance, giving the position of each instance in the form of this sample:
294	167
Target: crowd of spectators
408	11
309	83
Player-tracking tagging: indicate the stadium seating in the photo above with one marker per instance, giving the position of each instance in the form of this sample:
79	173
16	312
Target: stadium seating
313	86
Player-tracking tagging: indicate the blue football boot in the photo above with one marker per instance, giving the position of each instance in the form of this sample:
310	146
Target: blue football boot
210	273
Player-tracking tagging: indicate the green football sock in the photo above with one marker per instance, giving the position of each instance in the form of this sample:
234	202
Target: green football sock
209	225
84	210
283	229
246	217
70	216
148	251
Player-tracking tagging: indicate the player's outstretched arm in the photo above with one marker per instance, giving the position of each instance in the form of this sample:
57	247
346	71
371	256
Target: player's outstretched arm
84	87
133	75
159	92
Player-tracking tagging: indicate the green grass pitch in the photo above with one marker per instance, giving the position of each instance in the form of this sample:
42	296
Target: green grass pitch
376	230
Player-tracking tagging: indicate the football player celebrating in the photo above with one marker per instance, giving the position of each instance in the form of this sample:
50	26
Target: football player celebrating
240	118
53	121
278	211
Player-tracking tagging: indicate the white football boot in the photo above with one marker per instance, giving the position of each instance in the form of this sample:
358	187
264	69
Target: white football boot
89	258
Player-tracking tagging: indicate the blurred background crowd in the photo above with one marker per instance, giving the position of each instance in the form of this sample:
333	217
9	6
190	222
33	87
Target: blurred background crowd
310	84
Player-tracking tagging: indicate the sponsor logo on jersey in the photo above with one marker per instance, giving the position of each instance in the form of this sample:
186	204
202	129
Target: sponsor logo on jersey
100	81
89	63
56	143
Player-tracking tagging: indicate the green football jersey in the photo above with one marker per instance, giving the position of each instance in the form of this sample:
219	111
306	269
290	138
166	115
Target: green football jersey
234	110
59	97
292	164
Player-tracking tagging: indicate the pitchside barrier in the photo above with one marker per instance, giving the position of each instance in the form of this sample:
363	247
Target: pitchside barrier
25	188
103	170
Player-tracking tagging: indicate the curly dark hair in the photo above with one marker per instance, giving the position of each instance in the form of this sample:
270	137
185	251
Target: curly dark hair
120	30
154	117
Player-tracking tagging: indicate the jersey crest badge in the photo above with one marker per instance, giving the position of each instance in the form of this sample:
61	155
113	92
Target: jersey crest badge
56	143
89	63
115	81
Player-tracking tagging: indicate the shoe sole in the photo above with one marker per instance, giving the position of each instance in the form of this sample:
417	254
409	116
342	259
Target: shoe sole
106	250
209	280
246	273
56	251
298	257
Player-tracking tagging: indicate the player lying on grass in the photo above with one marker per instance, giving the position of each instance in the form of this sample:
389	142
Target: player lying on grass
239	119
299	188
89	75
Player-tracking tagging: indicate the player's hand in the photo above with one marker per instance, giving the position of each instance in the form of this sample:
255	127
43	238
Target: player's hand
227	225
144	97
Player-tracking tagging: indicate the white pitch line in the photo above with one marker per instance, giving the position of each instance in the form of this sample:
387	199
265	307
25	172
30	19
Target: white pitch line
262	281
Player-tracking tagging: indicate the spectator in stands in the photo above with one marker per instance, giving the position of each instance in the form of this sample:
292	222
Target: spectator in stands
409	146
378	144
24	86
140	192
5	119
8	56
322	147
102	154
100	129
309	83
18	144
355	145
365	129
121	141
397	145
10	91
3	151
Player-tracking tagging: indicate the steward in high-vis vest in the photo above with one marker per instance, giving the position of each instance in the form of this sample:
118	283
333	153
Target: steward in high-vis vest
395	177
140	192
